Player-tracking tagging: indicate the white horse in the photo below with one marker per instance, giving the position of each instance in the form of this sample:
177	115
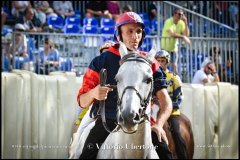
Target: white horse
134	85
80	136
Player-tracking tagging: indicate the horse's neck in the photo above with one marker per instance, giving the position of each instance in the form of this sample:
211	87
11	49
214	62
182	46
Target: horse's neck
128	146
140	137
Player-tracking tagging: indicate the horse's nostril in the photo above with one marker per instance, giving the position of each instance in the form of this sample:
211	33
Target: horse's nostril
137	117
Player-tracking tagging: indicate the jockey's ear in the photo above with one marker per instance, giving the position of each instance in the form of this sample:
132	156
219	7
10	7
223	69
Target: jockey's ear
152	52
122	49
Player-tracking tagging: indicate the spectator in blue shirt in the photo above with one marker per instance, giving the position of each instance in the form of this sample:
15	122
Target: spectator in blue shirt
48	59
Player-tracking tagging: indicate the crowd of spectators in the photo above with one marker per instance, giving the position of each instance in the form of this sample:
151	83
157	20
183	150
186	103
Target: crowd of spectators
34	15
111	9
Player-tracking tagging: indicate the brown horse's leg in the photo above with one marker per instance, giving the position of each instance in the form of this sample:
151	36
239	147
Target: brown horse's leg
187	134
180	143
171	144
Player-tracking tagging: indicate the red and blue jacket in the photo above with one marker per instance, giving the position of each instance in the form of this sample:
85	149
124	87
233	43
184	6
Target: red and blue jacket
110	61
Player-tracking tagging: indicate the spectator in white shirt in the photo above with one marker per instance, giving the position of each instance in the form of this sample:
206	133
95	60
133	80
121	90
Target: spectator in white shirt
207	74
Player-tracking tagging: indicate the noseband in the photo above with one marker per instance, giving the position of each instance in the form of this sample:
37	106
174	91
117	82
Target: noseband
144	102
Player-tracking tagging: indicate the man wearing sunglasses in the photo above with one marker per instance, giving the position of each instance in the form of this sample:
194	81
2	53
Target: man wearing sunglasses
174	28
206	74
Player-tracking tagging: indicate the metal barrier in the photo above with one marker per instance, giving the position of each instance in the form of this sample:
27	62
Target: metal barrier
192	57
201	24
81	49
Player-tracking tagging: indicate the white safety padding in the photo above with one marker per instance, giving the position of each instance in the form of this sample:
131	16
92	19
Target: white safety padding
186	106
56	73
198	110
196	115
25	123
235	121
194	108
79	81
226	112
38	91
39	116
75	81
3	84
13	116
48	120
66	99
211	120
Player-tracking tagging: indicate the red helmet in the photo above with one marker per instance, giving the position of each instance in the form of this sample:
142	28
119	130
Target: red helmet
129	17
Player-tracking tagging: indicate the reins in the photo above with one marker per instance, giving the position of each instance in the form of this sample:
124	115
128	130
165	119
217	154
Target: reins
103	79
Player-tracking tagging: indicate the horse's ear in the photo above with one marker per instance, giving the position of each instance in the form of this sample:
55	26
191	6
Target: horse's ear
152	52
122	49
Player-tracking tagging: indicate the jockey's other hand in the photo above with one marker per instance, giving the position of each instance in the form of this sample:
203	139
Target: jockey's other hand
160	133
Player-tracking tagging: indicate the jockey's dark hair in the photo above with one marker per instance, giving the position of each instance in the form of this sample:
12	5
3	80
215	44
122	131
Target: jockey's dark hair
120	34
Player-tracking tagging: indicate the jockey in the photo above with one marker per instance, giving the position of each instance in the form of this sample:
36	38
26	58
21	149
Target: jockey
130	30
102	49
174	89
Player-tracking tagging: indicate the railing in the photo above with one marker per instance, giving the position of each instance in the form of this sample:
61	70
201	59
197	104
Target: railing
81	49
200	25
194	55
206	18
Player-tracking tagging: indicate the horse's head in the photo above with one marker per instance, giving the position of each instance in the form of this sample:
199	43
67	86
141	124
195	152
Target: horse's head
134	85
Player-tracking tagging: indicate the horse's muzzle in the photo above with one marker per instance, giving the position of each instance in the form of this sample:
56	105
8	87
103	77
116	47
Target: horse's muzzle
129	121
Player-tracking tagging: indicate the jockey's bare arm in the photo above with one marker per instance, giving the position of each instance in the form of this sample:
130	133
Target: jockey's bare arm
98	93
160	90
163	114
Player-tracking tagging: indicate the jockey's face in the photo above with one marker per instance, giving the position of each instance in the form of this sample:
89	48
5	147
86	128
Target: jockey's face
131	35
163	62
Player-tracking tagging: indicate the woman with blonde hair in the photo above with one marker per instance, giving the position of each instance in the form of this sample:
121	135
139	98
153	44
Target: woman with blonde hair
48	59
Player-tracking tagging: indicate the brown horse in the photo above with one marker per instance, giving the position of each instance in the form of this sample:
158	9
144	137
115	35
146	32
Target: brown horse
186	133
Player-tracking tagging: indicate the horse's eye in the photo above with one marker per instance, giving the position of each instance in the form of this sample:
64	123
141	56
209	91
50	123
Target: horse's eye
149	80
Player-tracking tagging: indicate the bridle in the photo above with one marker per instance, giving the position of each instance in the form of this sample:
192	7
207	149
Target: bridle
143	101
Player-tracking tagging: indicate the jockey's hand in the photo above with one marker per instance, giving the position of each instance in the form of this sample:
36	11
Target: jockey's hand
160	133
100	93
